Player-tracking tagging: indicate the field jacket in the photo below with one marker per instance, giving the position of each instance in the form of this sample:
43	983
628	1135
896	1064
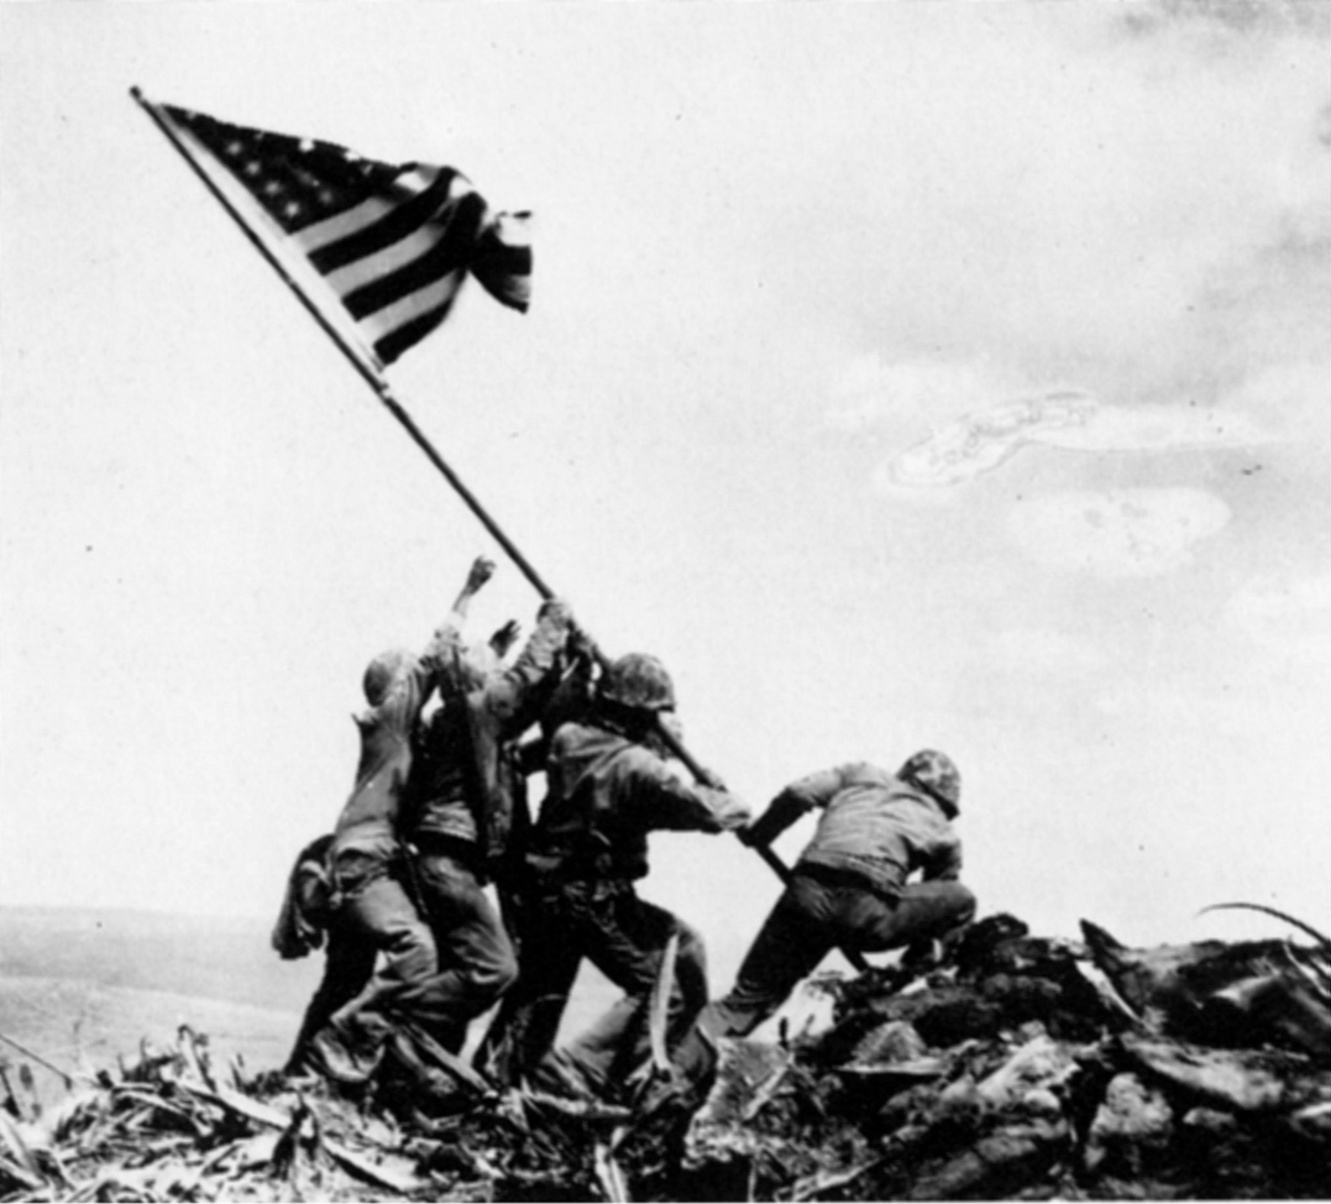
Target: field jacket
368	823
606	793
874	826
467	786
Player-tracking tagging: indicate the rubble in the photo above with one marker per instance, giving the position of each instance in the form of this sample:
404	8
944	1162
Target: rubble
1021	1068
1032	1068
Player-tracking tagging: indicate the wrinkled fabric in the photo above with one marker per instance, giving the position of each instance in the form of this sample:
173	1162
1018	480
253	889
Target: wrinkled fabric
623	937
306	904
619	1041
349	962
849	889
368	822
372	909
476	959
466	786
811	918
875	825
606	793
378	913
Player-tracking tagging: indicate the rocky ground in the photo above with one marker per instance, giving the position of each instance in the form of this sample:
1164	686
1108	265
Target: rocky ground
1020	1068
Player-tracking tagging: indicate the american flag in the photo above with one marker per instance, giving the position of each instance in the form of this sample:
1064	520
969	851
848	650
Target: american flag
394	243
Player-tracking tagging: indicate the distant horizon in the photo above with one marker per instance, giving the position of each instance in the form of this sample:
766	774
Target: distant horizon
149	970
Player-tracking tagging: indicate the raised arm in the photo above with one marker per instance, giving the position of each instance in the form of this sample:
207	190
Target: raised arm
482	569
514	693
446	643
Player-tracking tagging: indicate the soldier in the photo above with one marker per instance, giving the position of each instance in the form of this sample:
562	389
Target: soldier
371	906
849	888
466	794
609	785
308	922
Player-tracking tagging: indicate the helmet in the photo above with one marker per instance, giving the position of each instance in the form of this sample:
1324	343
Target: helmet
934	773
639	681
386	669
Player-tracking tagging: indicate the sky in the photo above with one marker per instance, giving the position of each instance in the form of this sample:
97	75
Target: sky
903	375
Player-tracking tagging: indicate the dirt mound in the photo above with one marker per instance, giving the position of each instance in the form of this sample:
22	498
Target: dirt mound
1023	1068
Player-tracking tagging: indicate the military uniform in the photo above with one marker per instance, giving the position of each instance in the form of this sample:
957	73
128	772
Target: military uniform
373	909
466	798
850	887
606	793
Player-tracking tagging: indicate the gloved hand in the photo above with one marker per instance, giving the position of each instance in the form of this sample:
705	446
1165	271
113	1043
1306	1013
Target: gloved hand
505	637
482	569
751	835
781	812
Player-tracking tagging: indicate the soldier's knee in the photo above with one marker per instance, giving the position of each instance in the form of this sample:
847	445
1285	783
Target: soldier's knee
965	904
495	974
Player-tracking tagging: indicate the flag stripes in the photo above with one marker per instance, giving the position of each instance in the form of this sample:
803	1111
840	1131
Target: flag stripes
409	211
394	244
450	253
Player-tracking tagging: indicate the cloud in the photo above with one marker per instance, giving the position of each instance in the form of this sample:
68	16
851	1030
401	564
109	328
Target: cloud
1296	394
1245	20
1116	534
978	443
1291	617
1151	428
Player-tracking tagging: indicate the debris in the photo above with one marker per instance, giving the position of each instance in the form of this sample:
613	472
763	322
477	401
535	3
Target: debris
1133	1127
1018	1067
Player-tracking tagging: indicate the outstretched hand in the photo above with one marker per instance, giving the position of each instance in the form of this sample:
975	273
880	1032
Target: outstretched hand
751	835
505	637
482	569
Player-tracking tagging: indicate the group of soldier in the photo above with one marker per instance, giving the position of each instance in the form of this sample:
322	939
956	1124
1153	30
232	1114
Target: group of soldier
439	822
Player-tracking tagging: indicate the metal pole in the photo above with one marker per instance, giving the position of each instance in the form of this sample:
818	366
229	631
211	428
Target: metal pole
367	366
361	358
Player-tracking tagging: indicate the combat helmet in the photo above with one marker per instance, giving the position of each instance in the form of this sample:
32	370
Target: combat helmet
384	670
639	681
934	773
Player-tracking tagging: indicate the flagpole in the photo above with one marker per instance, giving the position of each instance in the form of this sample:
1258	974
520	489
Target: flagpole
361	359
366	364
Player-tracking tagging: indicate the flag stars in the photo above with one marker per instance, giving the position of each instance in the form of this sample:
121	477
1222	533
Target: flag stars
301	182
